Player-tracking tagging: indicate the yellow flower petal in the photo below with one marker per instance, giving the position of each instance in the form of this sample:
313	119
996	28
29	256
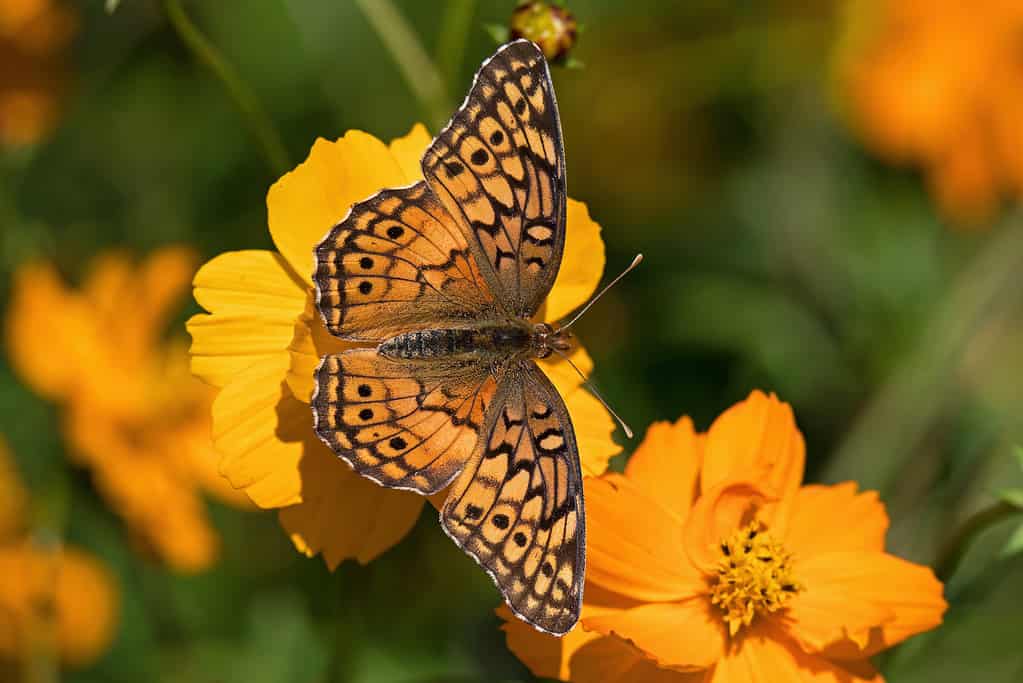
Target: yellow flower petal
582	264
408	152
310	343
307	202
262	431
253	301
343	515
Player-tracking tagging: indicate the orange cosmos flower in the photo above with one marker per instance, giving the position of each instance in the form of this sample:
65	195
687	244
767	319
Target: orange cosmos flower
937	83
133	413
709	562
263	338
34	35
52	599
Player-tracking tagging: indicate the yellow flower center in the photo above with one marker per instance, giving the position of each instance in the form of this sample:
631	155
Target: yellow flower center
753	576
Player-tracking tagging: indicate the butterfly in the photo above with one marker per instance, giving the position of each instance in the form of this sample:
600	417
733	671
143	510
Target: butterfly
445	276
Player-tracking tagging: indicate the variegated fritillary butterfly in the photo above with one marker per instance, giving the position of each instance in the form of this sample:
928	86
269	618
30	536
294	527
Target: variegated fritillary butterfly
445	276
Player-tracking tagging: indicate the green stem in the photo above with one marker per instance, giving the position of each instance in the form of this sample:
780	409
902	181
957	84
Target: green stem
253	113
888	431
451	43
419	71
954	550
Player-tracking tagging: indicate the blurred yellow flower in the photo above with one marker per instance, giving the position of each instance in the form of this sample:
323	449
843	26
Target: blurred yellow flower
707	561
52	599
34	35
552	27
937	83
262	340
132	411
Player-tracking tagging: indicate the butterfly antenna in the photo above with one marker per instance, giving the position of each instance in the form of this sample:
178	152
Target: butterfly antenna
635	262
593	389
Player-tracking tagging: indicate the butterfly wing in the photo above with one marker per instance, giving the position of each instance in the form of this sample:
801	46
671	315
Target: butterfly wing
403	424
499	168
397	262
517	507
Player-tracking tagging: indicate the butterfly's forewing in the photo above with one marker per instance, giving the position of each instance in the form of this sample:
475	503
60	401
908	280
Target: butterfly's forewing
403	424
499	168
518	505
397	262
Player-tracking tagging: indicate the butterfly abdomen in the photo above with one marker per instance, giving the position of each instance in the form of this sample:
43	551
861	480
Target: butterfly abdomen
502	341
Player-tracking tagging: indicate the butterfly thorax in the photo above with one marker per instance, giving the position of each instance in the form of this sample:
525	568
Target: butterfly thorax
495	341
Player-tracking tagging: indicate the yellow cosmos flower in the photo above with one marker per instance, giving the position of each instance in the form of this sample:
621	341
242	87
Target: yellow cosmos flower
133	412
937	83
262	339
59	600
736	573
33	38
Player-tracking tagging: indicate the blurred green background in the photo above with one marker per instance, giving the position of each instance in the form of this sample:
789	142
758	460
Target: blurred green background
781	254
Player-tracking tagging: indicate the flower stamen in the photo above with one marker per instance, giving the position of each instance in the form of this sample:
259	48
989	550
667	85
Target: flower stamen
753	576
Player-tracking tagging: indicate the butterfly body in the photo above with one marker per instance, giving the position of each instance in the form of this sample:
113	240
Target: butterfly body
445	277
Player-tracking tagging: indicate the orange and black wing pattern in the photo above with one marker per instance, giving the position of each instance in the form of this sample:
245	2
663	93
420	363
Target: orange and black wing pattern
518	505
499	169
397	262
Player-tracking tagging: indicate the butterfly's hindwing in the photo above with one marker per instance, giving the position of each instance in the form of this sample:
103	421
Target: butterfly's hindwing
404	424
397	262
518	505
499	168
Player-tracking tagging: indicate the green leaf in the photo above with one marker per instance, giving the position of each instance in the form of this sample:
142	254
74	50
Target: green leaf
499	32
1013	497
111	6
1015	543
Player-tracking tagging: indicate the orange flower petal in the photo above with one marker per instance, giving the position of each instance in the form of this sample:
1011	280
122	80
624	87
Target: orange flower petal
582	264
13	497
756	440
261	431
87	605
42	310
612	660
343	515
765	655
826	518
161	282
81	591
657	630
554	657
716	515
849	593
253	301
643	561
666	466
305	203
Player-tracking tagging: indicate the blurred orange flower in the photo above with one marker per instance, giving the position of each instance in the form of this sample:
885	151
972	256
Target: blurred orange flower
707	561
262	340
133	412
51	599
34	35
938	83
